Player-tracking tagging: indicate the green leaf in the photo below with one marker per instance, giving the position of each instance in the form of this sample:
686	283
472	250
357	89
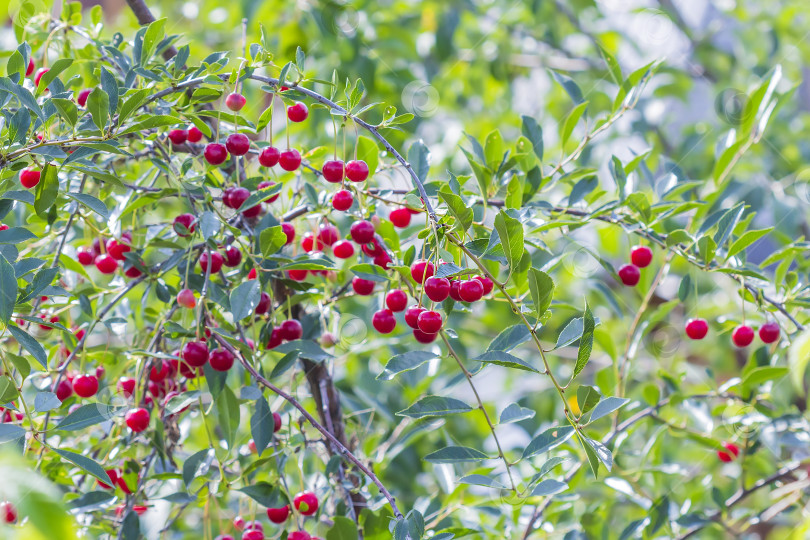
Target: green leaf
459	210
8	390
209	224
10	432
262	425
510	338
569	86
53	72
619	176
343	528
435	406
510	232
587	398
228	415
29	344
8	290
86	416
265	494
271	240
25	97
98	103
368	151
532	131
245	298
602	453
549	487
493	149
47	190
131	104
154	33
759	375
305	348
606	406
91	202
419	158
504	359
260	195
46	401
151	122
571	121
456	454
370	271
707	249
727	224
572	332
515	413
613	66
480	480
586	342
798	358
195	464
550	438
541	287
746	240
16	235
404	362
86	464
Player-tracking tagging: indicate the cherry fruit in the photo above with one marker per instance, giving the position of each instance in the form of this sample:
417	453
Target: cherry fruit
641	256
697	328
629	274
356	170
137	420
742	336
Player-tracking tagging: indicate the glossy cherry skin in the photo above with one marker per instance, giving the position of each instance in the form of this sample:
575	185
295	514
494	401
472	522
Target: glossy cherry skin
215	153
363	287
289	231
697	328
215	258
769	332
117	249
437	289
85	257
400	217
291	330
264	304
357	170
641	256
221	359
290	159
237	144
64	389
423	337
269	156
342	200
81	99
299	535
471	290
384	321
278	515
328	234
178	136
187	299
362	232
137	420
29	178
194	135
232	256
396	300
235	101
30	69
297	112
126	386
106	264
195	353
343	249
333	171
455	288
487	283
730	453
629	274
430	322
421	270
85	385
412	316
742	336
306	502
187	221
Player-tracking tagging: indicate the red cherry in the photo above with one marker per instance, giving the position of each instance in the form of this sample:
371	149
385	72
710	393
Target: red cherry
731	452
290	159
308	243
235	101
252	274
236	197
297	112
253	211
363	287
117	249
194	135
421	270
137	420
291	330
357	170
430	322
697	328
641	256
85	257
288	230
278	515
112	474
629	274
254	526
343	249
396	300
30	69
269	156
266	184
106	264
264	304
328	234
100	372
306	502
412	316
382	260
299	535
769	332
400	217
384	321
471	290
178	136
81	99
126	386
276	422
38	76
238	523
437	289
187	221
362	232
742	336
487	283
253	534
159	371
64	389
275	338
424	337
237	144
195	353
29	178
342	200
8	511
373	248
221	360
3	227
85	386
215	153
216	261
297	275
132	272
333	171
232	256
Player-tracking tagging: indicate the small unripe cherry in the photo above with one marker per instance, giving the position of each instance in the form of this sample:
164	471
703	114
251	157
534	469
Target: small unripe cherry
400	217
194	135
384	321
396	300
215	153
237	144
333	171
269	156
137	420
342	200
363	287
297	112
641	256
362	232
742	336
430	322
290	159
356	170
235	101
343	249
697	328
769	332
327	339
629	274
421	270
730	453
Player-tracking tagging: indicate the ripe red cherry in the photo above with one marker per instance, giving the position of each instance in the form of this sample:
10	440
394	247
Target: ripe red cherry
276	422
412	316
697	328
269	156
289	231
382	260
396	300
455	287
232	256
264	304
297	112
373	249
342	200
85	386
187	221
328	234
308	243
221	360
306	502
437	288
730	453
362	232
235	101
126	386
769	332
629	274
384	321
421	270
343	249
297	275
30	69
253	211
400	217
424	337
195	353
430	322
178	136
81	99
333	171
363	287
235	197
237	144
117	249
38	76
216	261
742	336
194	135
278	515
8	511
64	390
641	256
356	170
106	264
487	283
253	534
471	290
299	535
291	330
137	420
238	523
132	272
290	159
159	371
275	338
252	274
29	178
215	153
85	257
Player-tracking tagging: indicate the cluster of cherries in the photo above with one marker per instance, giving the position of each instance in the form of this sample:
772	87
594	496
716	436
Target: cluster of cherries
107	256
305	503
